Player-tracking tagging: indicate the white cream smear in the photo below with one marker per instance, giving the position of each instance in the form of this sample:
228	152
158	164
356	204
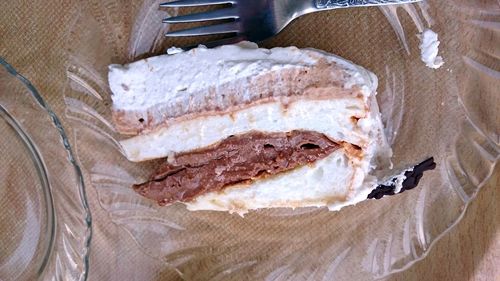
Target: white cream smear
429	49
174	50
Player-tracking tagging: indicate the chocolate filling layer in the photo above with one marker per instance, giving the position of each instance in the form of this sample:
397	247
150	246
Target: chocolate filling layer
237	159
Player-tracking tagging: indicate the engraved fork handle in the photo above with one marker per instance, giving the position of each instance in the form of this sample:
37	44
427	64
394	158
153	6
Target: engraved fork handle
335	4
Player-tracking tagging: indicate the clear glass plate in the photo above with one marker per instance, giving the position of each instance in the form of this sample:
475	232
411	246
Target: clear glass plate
450	113
45	222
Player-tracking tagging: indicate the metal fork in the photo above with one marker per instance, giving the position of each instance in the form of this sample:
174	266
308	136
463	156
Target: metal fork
256	20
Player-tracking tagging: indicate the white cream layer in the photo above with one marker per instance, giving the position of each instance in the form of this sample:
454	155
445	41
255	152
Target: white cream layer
334	182
331	117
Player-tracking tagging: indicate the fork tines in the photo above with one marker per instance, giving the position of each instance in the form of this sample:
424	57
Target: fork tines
230	13
192	3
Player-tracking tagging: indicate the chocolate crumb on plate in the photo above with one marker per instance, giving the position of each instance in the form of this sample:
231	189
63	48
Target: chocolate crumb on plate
412	178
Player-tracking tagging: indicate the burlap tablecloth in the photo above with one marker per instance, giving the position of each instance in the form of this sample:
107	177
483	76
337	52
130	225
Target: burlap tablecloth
41	60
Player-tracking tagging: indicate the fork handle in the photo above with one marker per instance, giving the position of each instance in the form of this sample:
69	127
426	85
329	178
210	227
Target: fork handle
335	4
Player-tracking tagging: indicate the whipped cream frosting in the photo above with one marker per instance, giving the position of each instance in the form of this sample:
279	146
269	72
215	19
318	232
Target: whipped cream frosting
145	83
